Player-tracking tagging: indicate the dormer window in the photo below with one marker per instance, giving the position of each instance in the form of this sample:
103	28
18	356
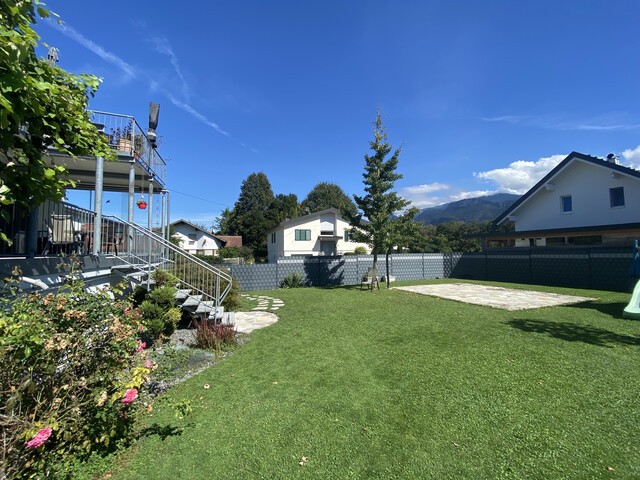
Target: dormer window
616	197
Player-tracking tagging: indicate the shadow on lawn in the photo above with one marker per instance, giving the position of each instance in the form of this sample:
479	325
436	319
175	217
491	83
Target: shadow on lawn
163	431
574	333
613	309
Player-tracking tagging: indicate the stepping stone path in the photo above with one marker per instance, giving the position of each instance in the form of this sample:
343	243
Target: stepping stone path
258	317
264	303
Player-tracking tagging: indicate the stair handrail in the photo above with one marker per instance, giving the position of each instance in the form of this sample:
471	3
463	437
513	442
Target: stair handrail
220	274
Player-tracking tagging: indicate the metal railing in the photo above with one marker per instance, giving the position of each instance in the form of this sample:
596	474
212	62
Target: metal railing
126	136
61	228
151	251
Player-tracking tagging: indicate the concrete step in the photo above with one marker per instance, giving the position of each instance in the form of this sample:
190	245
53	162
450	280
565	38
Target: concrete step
218	316
205	307
192	302
183	294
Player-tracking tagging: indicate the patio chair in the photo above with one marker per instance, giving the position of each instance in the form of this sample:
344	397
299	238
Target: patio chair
62	232
370	279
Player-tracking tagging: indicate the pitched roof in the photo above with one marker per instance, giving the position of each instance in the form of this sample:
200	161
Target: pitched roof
231	240
309	216
198	229
573	156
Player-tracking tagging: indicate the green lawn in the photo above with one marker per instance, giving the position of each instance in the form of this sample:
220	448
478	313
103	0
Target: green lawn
397	385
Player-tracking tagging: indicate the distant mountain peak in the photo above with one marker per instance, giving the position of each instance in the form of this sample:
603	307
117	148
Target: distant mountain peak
475	209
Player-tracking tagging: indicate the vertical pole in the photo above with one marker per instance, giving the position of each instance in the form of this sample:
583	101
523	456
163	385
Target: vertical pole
97	227
163	226
31	245
150	226
130	211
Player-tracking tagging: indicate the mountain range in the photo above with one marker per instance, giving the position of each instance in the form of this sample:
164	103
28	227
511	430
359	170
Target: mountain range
475	209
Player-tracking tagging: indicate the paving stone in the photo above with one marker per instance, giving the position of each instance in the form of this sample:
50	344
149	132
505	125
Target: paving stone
496	297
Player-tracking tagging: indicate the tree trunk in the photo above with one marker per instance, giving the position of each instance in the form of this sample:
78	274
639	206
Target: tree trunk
374	280
387	260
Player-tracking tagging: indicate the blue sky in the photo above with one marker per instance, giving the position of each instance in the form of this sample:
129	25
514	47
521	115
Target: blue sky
482	96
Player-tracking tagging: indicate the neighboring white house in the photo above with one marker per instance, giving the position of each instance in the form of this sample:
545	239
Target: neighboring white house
194	239
320	233
584	200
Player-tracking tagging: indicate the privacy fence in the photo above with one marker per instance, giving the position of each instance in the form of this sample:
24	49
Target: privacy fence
602	268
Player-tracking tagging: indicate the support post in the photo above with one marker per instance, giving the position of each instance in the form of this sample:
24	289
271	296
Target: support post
97	227
130	205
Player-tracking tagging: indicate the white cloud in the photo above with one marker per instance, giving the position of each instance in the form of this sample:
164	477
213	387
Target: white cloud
162	46
422	196
605	123
521	175
632	157
112	58
198	115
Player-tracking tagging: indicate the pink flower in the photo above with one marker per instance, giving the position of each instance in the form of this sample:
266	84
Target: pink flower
127	311
141	346
41	437
130	396
140	328
147	364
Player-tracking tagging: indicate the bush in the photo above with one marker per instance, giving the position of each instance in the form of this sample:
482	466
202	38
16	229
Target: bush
360	251
165	297
292	280
212	336
70	370
163	277
153	318
171	319
139	295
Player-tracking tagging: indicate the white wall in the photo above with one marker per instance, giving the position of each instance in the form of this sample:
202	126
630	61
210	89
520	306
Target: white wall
287	245
203	243
588	186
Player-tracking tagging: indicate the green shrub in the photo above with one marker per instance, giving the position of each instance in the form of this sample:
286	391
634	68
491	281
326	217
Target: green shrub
360	251
153	318
139	295
171	319
292	280
67	362
163	277
165	297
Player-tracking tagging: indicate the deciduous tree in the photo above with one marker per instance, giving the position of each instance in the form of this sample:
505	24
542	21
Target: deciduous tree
250	216
328	195
40	106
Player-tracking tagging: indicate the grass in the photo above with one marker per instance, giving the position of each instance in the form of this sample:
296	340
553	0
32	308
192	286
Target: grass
398	385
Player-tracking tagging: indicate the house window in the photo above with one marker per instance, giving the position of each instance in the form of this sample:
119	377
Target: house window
566	204
616	197
192	239
273	237
346	235
303	235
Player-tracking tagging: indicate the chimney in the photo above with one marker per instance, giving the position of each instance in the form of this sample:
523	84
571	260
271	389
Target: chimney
612	158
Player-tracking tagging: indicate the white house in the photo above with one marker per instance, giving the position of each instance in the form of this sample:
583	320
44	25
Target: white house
584	200
320	233
194	239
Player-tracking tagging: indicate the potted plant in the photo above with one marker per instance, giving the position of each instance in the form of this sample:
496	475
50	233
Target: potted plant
121	137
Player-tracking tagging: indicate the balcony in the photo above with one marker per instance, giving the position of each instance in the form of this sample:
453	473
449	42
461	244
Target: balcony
130	141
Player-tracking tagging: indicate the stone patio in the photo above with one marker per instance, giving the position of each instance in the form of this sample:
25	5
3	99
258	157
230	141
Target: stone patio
496	297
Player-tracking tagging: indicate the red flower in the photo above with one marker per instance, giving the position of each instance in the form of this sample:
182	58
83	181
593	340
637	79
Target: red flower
130	396
41	437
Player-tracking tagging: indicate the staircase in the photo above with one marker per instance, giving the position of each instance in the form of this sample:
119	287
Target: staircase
201	287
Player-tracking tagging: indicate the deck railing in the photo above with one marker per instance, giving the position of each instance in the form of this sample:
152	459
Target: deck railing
126	136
